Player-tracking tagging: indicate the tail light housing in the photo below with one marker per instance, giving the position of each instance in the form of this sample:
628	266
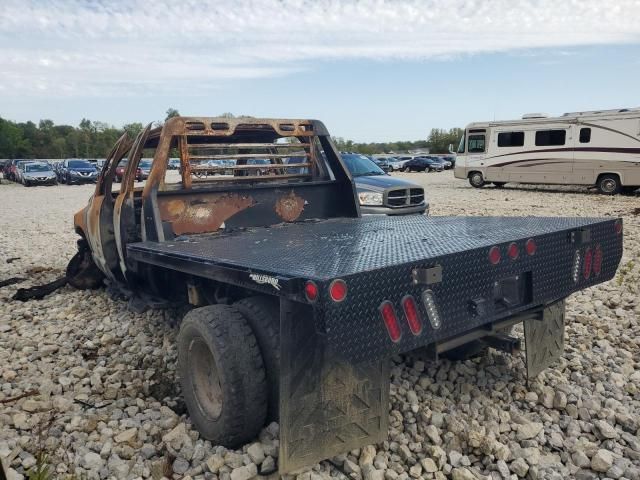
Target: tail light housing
530	247
513	251
311	291
494	255
617	226
429	303
412	314
577	260
338	290
390	321
597	260
588	262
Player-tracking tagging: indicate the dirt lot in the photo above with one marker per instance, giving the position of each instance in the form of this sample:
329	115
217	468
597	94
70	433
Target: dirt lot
101	401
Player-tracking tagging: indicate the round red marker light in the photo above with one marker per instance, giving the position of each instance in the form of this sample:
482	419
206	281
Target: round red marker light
311	291
494	255
530	247
338	290
513	251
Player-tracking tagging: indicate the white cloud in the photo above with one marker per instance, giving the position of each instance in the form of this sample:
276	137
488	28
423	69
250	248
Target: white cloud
88	48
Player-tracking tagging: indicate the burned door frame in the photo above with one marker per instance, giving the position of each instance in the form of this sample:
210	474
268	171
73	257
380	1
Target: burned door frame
99	221
124	217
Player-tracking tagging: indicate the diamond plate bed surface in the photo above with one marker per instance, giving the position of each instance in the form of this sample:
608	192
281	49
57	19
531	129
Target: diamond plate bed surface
328	249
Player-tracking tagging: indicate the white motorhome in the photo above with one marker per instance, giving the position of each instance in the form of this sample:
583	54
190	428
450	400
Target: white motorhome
600	148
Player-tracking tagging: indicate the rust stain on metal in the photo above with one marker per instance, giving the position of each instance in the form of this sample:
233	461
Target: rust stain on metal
192	214
289	207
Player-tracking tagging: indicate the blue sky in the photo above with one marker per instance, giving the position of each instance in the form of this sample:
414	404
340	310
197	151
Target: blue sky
371	70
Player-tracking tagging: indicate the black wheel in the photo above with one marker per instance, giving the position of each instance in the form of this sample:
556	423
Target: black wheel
82	272
609	184
476	179
263	316
407	169
499	184
222	375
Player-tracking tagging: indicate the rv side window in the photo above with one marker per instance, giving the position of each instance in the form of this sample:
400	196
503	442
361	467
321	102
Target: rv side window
511	139
550	137
476	143
585	135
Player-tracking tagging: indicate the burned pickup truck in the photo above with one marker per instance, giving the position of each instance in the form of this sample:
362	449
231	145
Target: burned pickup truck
298	301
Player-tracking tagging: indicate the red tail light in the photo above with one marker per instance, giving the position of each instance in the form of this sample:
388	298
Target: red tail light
588	261
513	251
494	255
338	290
311	291
390	320
413	315
617	226
597	261
530	247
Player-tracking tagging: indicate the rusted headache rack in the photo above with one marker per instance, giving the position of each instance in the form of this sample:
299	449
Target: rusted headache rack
247	161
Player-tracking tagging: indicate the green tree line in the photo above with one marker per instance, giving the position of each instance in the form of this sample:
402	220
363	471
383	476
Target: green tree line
91	139
437	141
47	140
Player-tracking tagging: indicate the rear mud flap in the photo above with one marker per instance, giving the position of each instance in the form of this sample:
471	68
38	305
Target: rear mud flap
544	338
327	405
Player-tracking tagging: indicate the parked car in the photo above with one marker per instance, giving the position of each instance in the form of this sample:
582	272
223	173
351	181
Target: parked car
383	163
122	167
422	164
144	167
19	170
37	173
12	169
382	194
74	170
174	164
437	161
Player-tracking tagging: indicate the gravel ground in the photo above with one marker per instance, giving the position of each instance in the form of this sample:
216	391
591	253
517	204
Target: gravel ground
101	400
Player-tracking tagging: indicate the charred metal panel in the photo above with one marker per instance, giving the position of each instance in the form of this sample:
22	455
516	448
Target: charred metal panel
327	405
197	213
544	338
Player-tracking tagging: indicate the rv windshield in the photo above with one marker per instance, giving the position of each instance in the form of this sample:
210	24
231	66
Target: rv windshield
461	145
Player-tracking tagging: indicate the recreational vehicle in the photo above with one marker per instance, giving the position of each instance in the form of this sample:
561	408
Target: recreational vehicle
596	148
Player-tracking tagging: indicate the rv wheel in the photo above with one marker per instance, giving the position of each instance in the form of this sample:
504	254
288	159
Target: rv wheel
609	184
476	179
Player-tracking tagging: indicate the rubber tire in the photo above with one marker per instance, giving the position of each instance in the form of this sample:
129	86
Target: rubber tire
407	170
242	380
473	349
499	184
476	180
82	272
601	181
262	313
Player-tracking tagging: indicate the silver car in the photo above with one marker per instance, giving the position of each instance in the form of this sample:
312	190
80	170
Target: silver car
37	173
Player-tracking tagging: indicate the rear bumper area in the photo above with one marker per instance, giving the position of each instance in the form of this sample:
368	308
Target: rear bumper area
454	294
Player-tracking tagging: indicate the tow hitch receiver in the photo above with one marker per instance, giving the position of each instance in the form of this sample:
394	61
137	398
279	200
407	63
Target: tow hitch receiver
502	342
